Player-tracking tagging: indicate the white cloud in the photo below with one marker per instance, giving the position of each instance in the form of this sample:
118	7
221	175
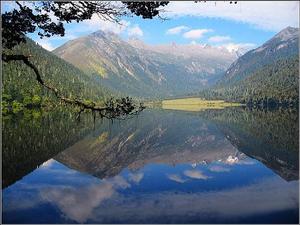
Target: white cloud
45	44
48	163
48	44
135	31
219	38
230	204
87	26
67	37
78	203
266	15
176	30
241	47
196	34
71	32
87	202
232	160
96	23
136	177
195	174
176	178
218	169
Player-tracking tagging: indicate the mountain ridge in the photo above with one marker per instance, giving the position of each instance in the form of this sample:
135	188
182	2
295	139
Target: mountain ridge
265	76
142	71
282	45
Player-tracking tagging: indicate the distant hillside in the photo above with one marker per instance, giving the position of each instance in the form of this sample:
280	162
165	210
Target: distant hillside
20	85
138	69
268	74
283	45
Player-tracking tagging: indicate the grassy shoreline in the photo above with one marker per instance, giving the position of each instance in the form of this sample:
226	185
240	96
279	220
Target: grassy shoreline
196	104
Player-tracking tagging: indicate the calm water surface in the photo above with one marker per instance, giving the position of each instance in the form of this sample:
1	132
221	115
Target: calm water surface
216	166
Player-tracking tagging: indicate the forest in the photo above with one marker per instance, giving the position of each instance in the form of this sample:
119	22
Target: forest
20	88
273	85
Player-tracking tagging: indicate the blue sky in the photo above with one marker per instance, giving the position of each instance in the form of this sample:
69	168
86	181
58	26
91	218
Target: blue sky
245	24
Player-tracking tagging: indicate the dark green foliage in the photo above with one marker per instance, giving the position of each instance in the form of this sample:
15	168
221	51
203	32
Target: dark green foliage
17	23
33	136
267	76
147	10
274	84
269	136
20	85
283	45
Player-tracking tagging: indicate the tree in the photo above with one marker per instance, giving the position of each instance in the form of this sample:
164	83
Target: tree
17	23
38	17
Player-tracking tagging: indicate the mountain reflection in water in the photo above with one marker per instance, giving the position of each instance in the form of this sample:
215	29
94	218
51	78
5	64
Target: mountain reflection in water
215	166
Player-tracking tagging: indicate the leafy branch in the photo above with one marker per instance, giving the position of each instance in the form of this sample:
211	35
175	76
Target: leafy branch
113	108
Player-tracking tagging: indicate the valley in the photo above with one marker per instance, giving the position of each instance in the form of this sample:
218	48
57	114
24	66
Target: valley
137	69
150	112
157	72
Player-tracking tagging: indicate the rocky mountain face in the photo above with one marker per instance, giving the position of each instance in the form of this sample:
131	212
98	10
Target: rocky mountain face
282	45
138	69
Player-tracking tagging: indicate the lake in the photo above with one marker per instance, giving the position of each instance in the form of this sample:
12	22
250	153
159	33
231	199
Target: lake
232	165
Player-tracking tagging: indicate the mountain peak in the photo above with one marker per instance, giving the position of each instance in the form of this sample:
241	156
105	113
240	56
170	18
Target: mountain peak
283	45
104	34
98	33
173	44
139	69
137	43
287	33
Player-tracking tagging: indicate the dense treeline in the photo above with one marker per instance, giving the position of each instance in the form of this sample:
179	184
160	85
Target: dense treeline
276	128
273	85
20	88
271	136
34	136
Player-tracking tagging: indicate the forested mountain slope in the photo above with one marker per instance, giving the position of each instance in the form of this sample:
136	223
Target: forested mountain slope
283	45
20	85
263	76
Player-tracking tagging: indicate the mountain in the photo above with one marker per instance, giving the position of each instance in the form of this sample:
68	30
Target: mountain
20	85
138	69
199	51
210	136
281	46
269	72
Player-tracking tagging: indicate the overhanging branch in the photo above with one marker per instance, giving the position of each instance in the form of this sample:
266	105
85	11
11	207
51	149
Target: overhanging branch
113	109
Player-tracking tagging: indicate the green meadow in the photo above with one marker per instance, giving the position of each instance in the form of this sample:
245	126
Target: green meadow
196	104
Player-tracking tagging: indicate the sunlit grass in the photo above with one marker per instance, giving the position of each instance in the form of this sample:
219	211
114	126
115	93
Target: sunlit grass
196	104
